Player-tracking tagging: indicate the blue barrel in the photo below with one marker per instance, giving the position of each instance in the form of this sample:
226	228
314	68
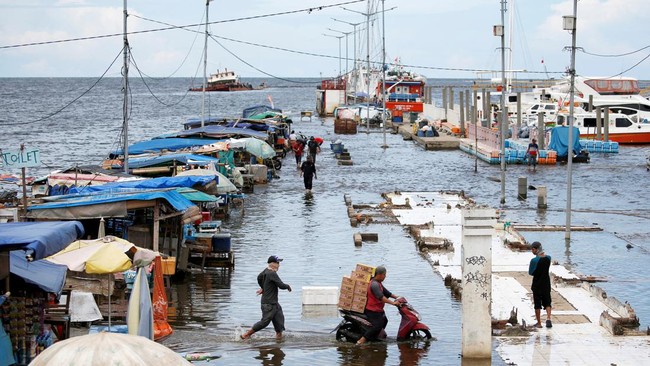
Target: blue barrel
221	242
337	148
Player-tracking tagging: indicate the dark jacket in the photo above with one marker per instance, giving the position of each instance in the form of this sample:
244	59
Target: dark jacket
269	281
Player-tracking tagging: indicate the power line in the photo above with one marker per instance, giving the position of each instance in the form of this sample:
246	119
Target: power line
69	103
308	10
614	55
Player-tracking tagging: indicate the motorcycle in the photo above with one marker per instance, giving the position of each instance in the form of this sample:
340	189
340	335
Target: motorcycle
354	325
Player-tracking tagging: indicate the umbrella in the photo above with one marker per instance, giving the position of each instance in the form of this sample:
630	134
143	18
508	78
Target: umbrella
254	146
140	314
108	349
105	255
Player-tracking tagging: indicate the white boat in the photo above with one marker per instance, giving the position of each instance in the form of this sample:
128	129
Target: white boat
621	127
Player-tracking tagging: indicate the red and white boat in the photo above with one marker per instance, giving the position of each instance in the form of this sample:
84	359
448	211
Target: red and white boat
404	90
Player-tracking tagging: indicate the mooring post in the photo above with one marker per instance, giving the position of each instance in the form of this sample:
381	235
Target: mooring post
476	263
591	103
540	130
542	203
599	124
606	125
515	135
461	122
522	188
475	109
444	100
451	98
487	112
468	116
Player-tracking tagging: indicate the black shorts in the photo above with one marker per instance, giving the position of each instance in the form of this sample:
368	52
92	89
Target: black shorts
542	299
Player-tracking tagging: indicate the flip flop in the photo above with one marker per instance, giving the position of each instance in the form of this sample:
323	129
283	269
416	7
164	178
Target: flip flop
549	324
538	326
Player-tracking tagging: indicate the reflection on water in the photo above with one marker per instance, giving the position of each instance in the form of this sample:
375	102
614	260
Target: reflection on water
370	354
271	356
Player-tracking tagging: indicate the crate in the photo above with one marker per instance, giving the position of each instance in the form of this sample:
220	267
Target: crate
169	266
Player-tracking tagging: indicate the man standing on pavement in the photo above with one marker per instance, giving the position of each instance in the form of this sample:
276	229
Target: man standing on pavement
378	295
539	268
270	282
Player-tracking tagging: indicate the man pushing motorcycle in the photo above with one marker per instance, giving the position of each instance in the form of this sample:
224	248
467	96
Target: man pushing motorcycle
378	295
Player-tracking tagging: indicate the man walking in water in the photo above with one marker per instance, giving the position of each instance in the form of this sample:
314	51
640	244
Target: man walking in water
539	267
378	295
270	282
531	154
308	172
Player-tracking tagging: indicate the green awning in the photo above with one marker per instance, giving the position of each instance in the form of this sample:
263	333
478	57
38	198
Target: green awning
196	196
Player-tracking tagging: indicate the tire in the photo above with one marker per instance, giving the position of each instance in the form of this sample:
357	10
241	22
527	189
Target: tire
419	334
345	334
277	163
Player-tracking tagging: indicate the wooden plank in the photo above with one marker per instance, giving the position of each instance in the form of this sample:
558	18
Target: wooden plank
554	228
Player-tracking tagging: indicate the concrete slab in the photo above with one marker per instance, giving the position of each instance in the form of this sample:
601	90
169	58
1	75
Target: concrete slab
577	309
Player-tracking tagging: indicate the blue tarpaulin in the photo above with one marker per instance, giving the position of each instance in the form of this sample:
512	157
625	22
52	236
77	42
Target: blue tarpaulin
153	183
221	132
43	238
560	140
175	199
47	275
170	158
170	144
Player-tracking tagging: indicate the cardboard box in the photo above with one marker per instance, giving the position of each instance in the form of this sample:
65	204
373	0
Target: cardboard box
347	285
345	304
361	288
364	268
360	276
358	307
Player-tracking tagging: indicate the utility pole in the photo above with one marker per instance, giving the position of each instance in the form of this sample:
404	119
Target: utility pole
569	23
498	31
205	62
125	87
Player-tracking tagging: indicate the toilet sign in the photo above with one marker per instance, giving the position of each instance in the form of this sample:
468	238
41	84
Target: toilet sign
23	158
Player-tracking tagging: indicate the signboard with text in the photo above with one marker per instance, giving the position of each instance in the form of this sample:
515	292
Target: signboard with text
19	158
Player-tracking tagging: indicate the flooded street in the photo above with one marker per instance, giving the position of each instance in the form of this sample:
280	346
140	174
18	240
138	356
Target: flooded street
313	233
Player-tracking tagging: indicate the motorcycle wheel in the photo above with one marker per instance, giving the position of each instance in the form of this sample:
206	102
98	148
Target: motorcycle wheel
419	334
277	163
343	333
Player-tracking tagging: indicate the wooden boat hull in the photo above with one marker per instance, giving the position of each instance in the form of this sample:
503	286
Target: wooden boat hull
223	88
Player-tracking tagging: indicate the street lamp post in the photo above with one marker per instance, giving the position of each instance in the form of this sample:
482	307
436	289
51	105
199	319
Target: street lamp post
499	32
569	23
339	38
354	61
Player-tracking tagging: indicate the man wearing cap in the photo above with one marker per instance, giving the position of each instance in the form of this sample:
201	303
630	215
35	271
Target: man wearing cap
270	282
539	267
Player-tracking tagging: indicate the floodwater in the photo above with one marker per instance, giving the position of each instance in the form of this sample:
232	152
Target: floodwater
312	231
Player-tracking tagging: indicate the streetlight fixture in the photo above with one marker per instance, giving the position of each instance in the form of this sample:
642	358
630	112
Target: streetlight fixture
339	38
346	46
569	24
498	31
354	63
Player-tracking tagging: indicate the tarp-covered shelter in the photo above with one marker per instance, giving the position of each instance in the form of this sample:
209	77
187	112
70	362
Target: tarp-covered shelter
259	109
159	144
560	140
50	277
221	132
154	183
169	159
40	239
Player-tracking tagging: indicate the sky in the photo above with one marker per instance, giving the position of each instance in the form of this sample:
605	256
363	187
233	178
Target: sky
436	38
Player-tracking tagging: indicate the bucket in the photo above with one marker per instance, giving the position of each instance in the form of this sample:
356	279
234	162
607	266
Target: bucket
205	216
337	148
221	243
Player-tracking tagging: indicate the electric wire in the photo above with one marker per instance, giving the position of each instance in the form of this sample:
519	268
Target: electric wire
308	10
134	63
613	55
69	103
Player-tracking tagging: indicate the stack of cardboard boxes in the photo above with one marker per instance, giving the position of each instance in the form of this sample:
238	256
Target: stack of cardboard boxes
354	288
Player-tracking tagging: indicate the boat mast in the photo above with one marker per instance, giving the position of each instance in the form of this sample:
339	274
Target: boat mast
205	62
510	73
368	67
383	73
125	88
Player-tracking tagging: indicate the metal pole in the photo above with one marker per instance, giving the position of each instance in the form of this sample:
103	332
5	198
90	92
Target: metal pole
368	67
504	115
125	85
24	182
383	73
205	62
572	71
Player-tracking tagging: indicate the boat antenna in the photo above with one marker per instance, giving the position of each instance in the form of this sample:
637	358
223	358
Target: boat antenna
125	86
205	62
